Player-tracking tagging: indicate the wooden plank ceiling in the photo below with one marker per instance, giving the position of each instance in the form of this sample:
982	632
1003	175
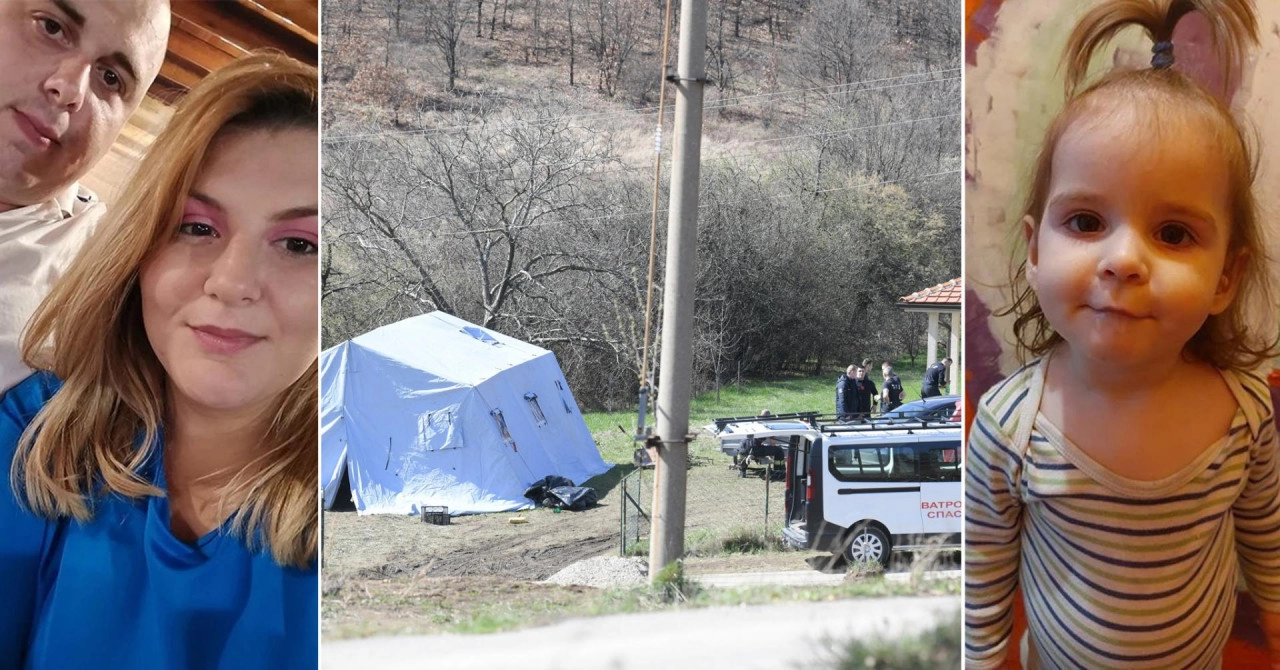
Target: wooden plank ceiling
204	35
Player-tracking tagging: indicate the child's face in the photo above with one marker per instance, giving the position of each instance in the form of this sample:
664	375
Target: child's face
1130	257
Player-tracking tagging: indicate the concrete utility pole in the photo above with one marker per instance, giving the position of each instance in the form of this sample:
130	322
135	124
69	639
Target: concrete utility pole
675	377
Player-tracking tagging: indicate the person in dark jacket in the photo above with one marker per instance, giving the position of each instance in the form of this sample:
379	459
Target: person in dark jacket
935	378
855	394
864	392
891	392
845	402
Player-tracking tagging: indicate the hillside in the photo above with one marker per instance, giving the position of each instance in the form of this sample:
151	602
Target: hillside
502	191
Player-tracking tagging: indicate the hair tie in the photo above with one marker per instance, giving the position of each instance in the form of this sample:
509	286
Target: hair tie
1163	57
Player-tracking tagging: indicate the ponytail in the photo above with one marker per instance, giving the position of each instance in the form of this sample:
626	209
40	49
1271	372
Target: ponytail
1234	25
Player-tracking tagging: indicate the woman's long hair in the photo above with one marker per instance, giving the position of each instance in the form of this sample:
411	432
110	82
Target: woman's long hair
84	443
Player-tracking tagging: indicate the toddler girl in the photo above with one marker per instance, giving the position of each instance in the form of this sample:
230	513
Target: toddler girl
1122	475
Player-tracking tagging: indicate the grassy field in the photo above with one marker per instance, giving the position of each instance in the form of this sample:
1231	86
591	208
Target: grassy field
613	430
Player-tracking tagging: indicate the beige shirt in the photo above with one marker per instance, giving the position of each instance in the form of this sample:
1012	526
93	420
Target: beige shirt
36	245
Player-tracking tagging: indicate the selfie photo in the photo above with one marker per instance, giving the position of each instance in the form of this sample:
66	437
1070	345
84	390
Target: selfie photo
158	336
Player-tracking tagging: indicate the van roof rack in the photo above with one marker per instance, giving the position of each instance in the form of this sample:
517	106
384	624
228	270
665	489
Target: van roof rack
831	423
808	417
906	425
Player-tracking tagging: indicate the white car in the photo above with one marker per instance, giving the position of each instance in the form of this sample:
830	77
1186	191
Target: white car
738	437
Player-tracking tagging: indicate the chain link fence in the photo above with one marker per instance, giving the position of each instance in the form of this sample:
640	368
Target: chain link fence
726	507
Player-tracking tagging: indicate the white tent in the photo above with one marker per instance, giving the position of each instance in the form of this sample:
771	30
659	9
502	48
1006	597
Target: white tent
433	410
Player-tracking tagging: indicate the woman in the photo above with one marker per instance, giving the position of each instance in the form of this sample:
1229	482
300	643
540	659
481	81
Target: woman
163	509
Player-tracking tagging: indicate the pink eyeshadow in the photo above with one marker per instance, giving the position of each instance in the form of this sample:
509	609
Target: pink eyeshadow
195	207
304	228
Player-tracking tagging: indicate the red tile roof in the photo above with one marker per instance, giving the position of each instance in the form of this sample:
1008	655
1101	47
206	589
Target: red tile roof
948	293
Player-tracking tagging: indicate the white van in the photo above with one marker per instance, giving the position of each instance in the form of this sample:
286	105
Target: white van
868	490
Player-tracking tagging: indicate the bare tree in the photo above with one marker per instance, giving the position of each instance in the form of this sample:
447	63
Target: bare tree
498	190
442	25
572	50
716	339
721	55
537	36
394	9
371	213
841	45
618	29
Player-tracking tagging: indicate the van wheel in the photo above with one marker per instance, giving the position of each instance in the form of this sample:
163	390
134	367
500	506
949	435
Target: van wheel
867	544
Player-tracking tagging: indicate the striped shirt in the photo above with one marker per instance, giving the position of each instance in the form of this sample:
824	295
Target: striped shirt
1115	572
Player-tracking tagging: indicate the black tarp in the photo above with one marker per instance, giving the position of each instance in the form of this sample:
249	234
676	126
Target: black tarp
556	491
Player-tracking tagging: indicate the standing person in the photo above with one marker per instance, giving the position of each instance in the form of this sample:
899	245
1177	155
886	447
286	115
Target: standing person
846	400
1124	506
891	392
935	378
71	74
162	511
854	394
864	391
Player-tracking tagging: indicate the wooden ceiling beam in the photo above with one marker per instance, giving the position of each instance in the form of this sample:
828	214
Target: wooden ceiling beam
207	35
296	16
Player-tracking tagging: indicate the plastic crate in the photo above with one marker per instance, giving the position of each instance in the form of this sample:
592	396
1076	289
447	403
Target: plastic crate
436	515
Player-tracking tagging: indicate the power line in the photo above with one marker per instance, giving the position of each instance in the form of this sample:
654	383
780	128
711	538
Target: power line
343	139
847	130
602	115
851	84
733	154
649	212
606	159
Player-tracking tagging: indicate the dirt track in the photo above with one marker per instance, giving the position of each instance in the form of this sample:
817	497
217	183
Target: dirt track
395	574
381	546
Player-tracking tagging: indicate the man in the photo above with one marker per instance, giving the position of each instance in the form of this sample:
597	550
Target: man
891	392
864	392
854	393
845	402
935	378
71	74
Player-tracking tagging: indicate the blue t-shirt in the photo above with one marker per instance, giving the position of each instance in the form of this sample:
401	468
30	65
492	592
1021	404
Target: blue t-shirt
122	592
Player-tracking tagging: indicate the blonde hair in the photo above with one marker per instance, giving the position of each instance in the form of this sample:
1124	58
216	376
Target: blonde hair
1225	340
84	443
